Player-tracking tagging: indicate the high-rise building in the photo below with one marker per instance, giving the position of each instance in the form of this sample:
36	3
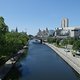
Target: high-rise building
64	22
66	30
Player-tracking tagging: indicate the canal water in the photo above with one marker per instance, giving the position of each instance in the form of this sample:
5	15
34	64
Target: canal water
42	63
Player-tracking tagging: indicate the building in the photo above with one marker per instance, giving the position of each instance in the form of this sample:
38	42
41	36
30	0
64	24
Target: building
65	22
67	31
43	34
51	33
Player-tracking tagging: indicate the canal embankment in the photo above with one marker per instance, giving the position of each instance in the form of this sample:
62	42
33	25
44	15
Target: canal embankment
6	68
74	62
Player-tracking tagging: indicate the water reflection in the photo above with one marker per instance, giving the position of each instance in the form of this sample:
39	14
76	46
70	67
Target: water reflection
43	63
24	72
76	74
14	74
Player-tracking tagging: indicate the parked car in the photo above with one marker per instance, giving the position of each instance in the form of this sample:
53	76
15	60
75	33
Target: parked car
78	52
67	50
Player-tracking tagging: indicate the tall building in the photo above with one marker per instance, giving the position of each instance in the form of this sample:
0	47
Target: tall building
43	33
66	31
65	22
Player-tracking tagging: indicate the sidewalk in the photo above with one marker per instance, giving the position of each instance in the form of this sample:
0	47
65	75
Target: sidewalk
74	62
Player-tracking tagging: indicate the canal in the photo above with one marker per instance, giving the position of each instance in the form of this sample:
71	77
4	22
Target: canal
42	63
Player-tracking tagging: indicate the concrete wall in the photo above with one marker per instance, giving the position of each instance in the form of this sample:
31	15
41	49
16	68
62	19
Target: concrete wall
72	61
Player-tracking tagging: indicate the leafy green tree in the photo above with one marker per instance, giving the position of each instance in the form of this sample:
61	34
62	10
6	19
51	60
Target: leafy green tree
3	26
58	41
16	29
10	42
64	42
3	31
51	40
15	41
76	45
71	41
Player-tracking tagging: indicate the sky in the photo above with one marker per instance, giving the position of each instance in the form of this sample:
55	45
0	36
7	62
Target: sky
30	15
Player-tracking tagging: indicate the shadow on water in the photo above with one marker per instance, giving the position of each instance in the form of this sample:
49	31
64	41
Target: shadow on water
17	71
42	63
76	74
24	70
14	74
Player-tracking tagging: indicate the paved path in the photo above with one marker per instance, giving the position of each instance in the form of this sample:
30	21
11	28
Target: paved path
42	63
74	62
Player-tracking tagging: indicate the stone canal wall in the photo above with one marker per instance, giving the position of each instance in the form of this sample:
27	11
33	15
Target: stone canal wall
5	68
74	62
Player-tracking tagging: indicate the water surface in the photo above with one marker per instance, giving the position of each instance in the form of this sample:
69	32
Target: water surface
42	63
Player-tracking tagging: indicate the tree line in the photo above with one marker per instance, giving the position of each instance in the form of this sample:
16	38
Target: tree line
10	41
66	41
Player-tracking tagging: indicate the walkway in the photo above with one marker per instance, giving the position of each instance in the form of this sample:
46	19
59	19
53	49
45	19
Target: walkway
42	63
74	62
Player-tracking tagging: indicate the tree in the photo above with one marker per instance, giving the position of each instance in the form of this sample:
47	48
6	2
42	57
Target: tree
65	42
76	45
3	31
10	42
51	40
57	42
3	26
16	29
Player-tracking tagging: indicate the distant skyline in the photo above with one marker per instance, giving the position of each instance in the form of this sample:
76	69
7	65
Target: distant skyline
30	15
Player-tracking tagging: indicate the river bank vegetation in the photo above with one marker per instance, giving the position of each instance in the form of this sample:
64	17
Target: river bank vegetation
10	41
74	42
